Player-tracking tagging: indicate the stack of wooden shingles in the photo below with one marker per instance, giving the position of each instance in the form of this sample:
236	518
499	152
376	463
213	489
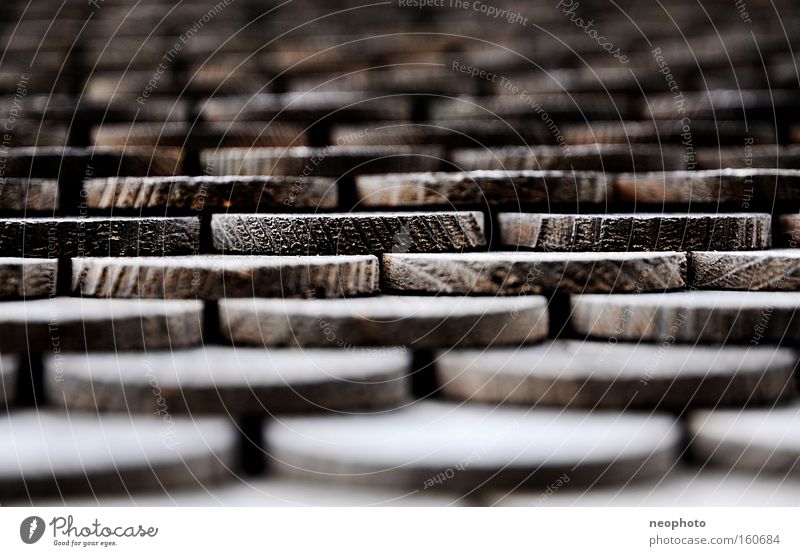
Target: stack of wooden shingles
423	249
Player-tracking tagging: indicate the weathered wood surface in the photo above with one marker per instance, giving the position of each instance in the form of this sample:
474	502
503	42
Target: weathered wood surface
744	186
334	161
601	158
586	374
516	273
231	381
98	236
71	324
774	270
482	188
211	193
28	194
418	322
636	232
347	234
27	277
224	276
87	162
697	316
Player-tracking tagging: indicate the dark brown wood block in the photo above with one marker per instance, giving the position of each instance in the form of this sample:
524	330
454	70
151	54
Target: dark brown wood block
78	452
33	133
306	107
744	186
69	324
212	193
700	132
28	194
221	276
756	440
200	136
347	234
635	232
335	161
420	322
87	162
746	156
789	230
724	104
481	187
601	158
27	277
436	445
395	80
232	381
594	375
719	317
774	270
448	133
98	236
515	273
550	108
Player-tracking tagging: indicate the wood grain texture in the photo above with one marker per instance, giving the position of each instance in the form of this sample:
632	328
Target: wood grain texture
199	136
592	375
601	158
697	316
87	162
306	107
420	322
82	452
211	193
763	441
347	234
774	270
221	276
636	232
28	194
744	186
481	188
27	277
98	236
515	273
433	445
334	161
70	324
231	381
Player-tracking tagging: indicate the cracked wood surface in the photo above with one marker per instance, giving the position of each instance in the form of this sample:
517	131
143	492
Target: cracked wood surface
515	273
636	232
218	276
347	234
